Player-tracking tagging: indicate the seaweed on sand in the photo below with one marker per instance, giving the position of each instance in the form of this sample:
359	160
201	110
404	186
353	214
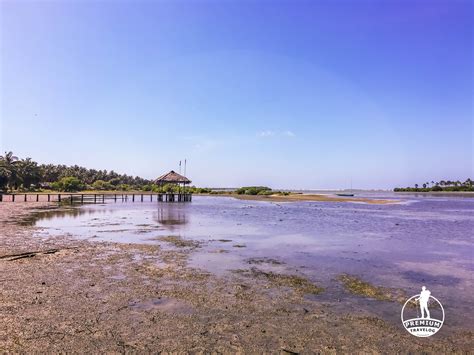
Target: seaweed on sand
264	261
179	242
360	287
297	283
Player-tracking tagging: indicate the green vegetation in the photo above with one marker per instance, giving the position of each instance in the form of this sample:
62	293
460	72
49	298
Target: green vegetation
27	175
102	185
68	184
443	185
254	190
259	190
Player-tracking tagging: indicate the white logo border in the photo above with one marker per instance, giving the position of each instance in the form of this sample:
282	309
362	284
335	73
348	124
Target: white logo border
422	336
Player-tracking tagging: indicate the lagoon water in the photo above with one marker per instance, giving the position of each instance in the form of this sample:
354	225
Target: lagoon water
421	240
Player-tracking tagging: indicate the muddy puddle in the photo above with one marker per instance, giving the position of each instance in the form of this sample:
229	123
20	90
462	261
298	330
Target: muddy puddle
423	241
164	304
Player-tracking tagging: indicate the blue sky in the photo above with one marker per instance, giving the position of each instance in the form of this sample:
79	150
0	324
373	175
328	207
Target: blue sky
290	94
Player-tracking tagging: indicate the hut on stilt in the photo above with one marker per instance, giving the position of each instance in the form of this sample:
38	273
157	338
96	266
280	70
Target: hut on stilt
172	178
176	179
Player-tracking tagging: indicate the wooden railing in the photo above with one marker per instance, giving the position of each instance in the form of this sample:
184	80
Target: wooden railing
95	198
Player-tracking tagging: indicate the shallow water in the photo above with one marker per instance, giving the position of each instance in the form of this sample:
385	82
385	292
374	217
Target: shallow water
421	241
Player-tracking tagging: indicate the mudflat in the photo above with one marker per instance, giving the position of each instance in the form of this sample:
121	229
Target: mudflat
59	293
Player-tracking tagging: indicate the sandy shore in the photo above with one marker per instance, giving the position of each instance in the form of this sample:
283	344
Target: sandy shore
80	296
312	197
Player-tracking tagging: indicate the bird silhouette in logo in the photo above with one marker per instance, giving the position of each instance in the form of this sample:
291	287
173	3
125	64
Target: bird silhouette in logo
424	298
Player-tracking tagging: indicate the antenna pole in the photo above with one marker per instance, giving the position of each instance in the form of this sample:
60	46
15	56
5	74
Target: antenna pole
184	183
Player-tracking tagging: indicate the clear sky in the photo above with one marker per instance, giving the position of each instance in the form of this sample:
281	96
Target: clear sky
289	94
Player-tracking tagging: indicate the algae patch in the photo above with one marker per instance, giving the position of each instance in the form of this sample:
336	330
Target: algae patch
360	287
179	242
264	261
297	283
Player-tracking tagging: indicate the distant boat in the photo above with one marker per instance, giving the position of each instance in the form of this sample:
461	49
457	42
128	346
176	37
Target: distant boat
346	194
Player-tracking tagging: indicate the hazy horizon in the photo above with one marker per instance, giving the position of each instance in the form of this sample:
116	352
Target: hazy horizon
292	95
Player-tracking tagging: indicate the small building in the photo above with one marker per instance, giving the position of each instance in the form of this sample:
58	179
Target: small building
172	178
177	179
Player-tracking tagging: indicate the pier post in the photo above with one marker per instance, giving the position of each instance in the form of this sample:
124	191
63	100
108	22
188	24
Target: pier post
103	198
82	198
95	198
141	198
115	198
13	198
37	197
26	198
59	197
71	199
49	197
133	197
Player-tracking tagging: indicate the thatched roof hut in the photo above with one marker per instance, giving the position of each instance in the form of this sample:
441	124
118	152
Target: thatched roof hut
172	178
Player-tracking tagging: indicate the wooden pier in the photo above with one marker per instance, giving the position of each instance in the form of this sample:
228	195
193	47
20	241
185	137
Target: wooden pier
95	198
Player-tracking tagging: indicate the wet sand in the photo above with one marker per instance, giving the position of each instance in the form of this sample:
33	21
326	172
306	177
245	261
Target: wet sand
84	296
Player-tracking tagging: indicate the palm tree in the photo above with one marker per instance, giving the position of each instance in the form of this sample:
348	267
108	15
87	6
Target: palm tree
9	164
29	172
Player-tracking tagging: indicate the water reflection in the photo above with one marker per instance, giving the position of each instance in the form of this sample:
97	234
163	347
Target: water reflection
171	216
33	218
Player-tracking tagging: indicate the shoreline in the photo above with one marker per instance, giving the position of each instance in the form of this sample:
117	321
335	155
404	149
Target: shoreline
447	193
104	296
311	198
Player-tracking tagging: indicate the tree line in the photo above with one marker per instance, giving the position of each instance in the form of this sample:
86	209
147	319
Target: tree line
443	185
27	175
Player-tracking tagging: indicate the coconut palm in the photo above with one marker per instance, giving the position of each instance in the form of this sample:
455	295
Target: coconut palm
9	168
29	172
